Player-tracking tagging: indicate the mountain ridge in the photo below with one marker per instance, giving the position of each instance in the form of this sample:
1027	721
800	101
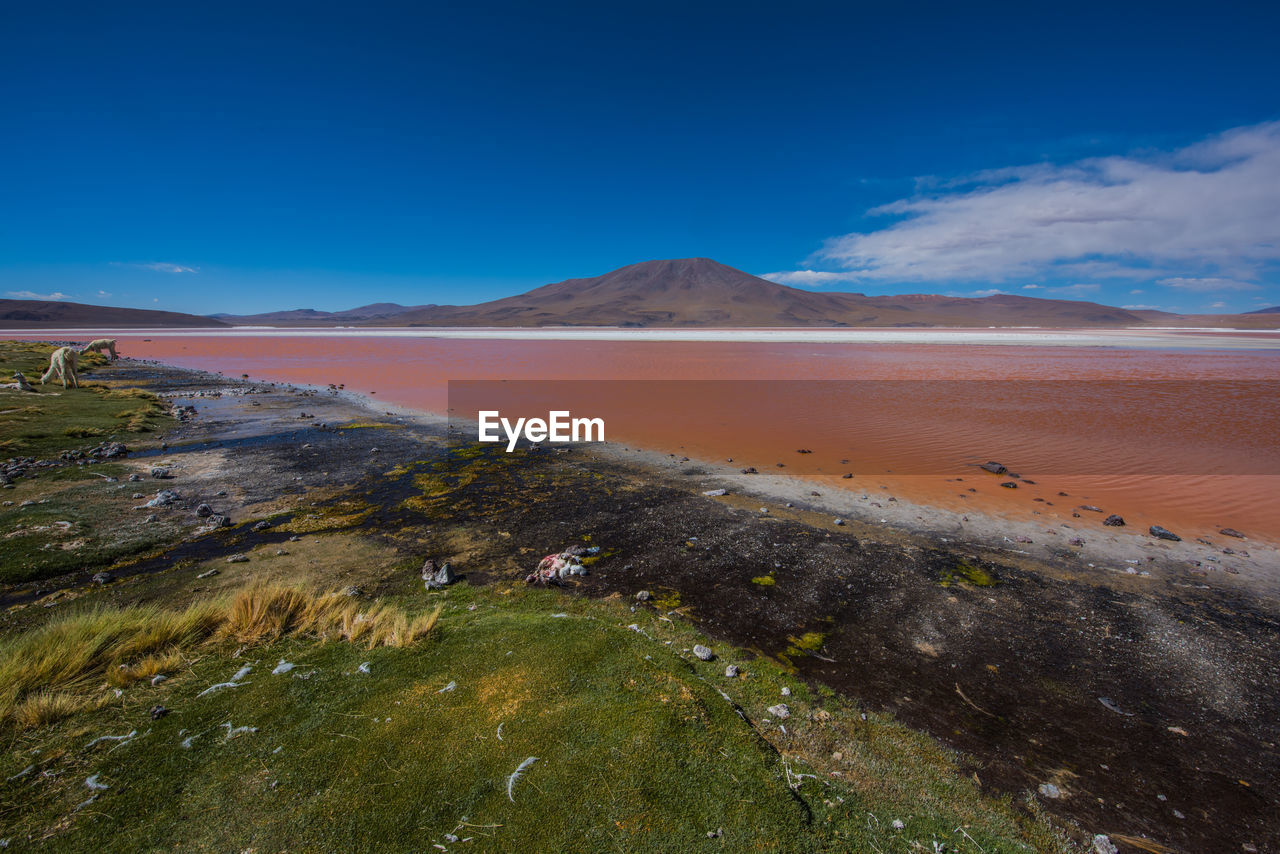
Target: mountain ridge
700	292
665	293
38	314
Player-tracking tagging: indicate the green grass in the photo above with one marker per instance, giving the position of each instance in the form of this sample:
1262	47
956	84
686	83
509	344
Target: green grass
637	748
83	522
53	420
966	573
100	529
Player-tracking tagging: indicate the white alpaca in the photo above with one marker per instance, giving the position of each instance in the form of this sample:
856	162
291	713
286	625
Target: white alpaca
108	344
19	383
62	362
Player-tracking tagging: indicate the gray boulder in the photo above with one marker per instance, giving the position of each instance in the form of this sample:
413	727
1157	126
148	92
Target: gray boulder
437	578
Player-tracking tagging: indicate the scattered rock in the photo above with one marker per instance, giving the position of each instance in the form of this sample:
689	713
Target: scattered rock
780	711
715	493
160	473
208	573
1049	790
281	552
786	692
157	679
1164	534
1090	508
157	712
164	498
994	467
437	578
103	578
352	591
204	511
1102	844
847	476
135	478
1075	541
703	652
731	672
644	596
1232	532
1008	484
261	526
1114	521
238	558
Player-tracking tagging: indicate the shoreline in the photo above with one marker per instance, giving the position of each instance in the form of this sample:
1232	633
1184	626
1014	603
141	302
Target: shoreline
902	619
1160	338
1099	554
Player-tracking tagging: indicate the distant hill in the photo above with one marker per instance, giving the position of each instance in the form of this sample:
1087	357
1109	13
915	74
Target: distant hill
1275	309
699	292
311	317
37	314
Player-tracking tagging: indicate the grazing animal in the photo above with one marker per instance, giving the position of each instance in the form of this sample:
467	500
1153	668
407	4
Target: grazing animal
108	344
62	362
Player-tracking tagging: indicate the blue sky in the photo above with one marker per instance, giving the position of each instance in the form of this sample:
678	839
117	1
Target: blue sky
258	156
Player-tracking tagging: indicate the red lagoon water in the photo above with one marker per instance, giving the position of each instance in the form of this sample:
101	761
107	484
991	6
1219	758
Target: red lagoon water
1182	438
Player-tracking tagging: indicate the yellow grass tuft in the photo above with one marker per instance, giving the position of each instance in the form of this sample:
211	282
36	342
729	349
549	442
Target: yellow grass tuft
46	707
49	673
136	393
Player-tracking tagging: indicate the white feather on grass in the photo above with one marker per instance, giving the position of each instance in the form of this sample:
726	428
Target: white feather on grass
517	774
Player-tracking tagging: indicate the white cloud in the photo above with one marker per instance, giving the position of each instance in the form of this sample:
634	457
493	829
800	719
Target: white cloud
162	267
1074	290
1031	287
809	278
56	296
1142	307
1218	305
989	292
1137	291
1208	284
103	294
1209	210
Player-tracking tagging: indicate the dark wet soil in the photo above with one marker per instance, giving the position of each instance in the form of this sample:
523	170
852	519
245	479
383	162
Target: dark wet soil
1153	713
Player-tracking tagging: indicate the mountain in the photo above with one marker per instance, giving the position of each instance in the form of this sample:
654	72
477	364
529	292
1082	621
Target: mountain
1275	309
312	317
699	292
37	314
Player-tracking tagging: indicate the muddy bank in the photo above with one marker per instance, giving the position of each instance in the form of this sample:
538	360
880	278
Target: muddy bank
1147	702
